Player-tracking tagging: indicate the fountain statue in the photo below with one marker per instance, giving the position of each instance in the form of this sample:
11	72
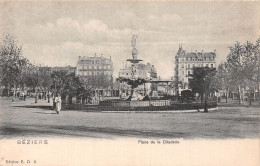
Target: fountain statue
134	81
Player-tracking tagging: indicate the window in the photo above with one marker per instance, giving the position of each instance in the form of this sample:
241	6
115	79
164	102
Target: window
207	65
188	73
98	67
97	61
93	62
186	58
188	66
211	65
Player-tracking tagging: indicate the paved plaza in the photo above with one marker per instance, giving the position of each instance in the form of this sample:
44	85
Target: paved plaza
28	119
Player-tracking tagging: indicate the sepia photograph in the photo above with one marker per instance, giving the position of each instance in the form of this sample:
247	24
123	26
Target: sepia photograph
129	83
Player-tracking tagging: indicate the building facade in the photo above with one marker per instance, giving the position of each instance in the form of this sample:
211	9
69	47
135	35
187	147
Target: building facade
185	61
97	67
93	66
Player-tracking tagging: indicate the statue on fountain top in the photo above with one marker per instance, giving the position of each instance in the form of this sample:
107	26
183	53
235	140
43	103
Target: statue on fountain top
134	51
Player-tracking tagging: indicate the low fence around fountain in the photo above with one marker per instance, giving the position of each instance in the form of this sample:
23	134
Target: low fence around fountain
152	105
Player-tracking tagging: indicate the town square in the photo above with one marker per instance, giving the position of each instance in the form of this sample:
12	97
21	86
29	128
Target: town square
129	83
138	76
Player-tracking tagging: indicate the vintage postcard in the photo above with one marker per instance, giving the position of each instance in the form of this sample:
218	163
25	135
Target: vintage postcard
133	83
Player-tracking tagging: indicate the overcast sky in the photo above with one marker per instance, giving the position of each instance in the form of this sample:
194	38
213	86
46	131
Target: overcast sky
56	33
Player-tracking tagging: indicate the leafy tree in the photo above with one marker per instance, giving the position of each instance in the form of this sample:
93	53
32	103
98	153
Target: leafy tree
243	60
71	86
12	63
224	78
201	80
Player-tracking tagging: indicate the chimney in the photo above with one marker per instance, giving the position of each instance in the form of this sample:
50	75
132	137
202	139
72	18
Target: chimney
201	51
101	55
195	51
110	57
215	51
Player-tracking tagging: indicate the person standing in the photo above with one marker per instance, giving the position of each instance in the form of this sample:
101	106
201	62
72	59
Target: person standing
24	97
58	103
48	96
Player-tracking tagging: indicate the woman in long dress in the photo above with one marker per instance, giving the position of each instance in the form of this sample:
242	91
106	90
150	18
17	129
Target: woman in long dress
58	103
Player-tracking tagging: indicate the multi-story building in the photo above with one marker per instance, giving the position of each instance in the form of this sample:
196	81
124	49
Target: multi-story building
96	67
92	66
185	61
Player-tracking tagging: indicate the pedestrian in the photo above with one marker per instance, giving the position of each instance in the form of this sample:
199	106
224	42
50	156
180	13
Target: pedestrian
48	96
58	103
24	97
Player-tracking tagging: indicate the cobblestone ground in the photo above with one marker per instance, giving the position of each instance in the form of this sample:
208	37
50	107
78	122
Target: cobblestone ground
29	119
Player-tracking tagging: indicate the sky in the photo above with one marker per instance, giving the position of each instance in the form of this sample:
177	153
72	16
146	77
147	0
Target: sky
56	33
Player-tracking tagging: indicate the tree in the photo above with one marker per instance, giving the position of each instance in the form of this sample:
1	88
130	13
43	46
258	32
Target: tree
224	78
71	86
201	81
12	63
243	60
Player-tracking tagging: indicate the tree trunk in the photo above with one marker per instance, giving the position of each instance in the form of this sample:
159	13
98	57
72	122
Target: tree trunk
226	96
36	97
70	99
239	96
259	92
83	100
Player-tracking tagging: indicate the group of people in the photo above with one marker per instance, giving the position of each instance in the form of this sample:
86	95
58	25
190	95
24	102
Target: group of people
22	95
57	102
